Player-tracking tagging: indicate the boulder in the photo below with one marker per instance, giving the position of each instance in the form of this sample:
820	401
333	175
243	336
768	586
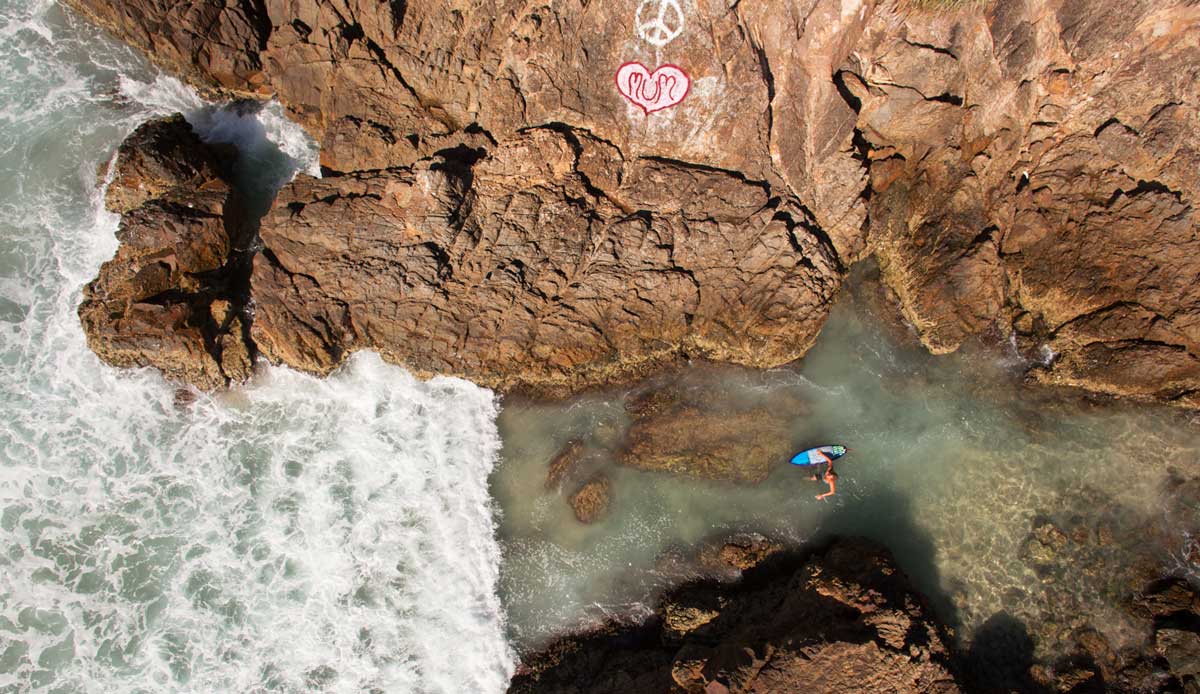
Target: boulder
171	297
591	501
529	267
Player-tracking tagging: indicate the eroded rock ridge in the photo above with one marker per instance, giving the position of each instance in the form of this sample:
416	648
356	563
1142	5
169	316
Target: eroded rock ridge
494	208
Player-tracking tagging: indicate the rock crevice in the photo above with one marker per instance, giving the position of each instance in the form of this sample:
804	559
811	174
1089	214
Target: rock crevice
1011	165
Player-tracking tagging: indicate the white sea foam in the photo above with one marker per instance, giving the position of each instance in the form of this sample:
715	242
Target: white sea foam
297	535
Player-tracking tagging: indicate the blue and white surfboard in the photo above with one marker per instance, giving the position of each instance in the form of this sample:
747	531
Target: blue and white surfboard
813	455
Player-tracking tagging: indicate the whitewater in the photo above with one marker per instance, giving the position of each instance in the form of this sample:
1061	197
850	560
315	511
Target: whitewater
296	534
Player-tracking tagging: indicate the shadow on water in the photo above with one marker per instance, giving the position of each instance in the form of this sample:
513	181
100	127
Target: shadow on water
885	515
1000	657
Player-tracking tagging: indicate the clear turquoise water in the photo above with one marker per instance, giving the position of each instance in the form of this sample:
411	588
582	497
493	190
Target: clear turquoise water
952	463
305	535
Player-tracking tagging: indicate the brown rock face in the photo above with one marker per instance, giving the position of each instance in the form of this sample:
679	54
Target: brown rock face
844	620
507	215
164	300
161	156
211	43
1027	170
519	270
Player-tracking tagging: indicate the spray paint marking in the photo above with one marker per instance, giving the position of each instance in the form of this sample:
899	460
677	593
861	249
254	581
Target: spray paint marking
664	26
653	91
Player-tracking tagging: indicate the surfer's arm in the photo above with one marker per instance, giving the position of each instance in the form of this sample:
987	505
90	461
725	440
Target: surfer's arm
832	489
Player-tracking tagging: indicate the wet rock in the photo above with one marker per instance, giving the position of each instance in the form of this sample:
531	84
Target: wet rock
844	619
1043	544
1181	649
682	619
674	431
1168	597
211	43
738	447
170	298
564	462
164	154
591	501
653	402
742	551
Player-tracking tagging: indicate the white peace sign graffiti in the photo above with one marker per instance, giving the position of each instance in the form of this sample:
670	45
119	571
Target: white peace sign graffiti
664	26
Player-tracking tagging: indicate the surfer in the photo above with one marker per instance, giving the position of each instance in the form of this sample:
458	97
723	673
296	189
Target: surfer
830	476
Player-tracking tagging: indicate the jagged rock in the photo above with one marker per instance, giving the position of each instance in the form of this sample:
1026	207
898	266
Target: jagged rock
842	620
164	298
590	502
682	619
161	155
514	270
1181	649
211	43
1021	162
746	552
1026	170
1169	597
741	551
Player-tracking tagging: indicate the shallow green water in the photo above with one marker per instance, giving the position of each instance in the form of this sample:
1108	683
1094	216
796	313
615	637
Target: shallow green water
953	462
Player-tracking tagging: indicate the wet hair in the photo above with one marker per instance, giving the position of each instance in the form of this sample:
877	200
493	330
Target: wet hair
831	472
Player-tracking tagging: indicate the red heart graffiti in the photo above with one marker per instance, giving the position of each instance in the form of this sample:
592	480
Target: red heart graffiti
653	91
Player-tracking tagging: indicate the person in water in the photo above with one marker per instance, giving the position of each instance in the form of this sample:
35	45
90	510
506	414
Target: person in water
830	476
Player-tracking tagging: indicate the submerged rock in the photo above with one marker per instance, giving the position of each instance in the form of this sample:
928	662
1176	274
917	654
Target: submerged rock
734	446
563	462
171	297
844	619
590	502
1043	544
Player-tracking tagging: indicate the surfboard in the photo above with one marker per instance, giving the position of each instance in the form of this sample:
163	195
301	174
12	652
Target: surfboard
812	457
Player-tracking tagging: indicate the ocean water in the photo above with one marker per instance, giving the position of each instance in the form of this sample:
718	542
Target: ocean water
954	464
294	535
375	533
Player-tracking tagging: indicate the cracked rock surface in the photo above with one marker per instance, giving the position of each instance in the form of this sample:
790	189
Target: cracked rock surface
844	619
173	296
493	208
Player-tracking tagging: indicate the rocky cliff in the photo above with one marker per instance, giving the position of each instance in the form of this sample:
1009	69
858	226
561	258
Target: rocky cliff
841	620
845	618
497	205
174	295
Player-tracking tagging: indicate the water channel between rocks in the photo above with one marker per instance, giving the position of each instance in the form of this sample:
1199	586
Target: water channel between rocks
1002	502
